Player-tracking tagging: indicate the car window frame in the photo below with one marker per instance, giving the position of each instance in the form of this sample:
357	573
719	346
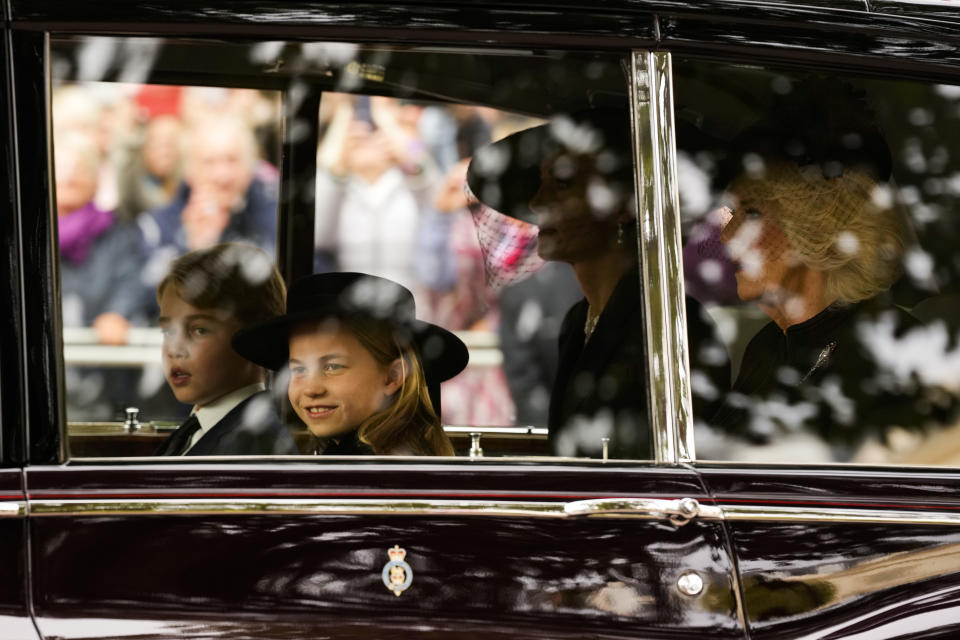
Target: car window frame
675	444
866	67
296	213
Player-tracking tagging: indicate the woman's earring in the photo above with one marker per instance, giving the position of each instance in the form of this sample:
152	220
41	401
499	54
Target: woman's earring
619	235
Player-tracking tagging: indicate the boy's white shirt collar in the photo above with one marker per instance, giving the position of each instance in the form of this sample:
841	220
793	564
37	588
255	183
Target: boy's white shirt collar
211	414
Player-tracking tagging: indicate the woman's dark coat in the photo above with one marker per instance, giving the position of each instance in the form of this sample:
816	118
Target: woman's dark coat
601	387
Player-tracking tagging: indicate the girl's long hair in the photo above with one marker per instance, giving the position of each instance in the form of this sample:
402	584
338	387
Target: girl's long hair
409	424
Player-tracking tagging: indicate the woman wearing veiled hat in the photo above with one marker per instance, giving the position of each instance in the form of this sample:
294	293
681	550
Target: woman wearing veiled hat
818	254
573	178
818	245
361	365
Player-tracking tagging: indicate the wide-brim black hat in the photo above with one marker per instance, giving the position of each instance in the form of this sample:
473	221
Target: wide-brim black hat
505	175
345	295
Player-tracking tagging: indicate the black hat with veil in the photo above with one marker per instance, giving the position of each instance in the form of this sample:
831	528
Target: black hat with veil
503	177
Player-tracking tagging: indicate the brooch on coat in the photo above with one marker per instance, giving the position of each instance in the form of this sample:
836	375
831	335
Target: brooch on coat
822	359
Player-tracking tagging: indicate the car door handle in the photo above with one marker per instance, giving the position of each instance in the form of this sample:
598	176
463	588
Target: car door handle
678	512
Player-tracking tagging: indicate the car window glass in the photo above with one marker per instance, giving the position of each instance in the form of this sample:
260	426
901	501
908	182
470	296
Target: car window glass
820	224
142	174
477	180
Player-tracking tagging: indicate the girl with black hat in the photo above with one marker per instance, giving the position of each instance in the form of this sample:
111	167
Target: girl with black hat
364	372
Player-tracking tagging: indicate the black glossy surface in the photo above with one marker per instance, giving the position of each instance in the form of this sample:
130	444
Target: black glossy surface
479	480
805	578
380	21
467	75
15	623
879	579
541	16
41	299
11	376
11	484
835	486
607	577
543	577
931	16
828	45
282	576
13	592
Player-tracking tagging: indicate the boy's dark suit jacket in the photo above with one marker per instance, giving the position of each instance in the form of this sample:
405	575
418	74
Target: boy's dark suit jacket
251	428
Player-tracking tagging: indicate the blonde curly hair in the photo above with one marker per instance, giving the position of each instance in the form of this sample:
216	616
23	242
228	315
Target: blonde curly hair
842	226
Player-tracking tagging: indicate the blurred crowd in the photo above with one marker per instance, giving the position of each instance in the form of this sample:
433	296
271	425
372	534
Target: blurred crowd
145	173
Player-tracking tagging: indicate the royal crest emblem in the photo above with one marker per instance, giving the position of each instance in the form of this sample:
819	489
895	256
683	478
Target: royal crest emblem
397	574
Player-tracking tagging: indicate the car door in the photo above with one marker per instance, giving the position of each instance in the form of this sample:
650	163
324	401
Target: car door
844	526
14	586
496	552
485	545
14	614
847	552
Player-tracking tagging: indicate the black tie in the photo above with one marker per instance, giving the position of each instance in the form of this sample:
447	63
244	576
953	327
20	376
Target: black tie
179	441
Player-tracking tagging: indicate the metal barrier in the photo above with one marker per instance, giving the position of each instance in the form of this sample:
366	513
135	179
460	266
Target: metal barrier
81	348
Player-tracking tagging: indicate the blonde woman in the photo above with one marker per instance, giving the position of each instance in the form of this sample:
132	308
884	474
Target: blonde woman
817	248
802	242
362	368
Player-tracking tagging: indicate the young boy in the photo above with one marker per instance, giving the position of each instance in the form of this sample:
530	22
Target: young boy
205	298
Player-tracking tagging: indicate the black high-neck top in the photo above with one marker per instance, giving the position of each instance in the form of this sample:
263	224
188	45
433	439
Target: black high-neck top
827	375
347	444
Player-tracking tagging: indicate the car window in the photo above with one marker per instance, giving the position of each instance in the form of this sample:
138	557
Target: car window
144	173
497	187
820	235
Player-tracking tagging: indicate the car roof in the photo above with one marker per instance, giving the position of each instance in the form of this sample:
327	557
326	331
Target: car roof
936	17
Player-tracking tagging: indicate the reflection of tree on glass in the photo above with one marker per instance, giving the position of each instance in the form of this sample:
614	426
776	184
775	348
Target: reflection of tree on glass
817	245
364	372
574	179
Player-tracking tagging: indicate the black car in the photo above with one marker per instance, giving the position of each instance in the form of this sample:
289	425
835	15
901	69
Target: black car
723	454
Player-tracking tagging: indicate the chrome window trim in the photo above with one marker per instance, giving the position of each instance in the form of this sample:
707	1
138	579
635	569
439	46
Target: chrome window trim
618	508
839	515
293	506
13	509
643	508
661	262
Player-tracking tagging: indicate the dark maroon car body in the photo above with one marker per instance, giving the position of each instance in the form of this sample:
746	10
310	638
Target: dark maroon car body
498	550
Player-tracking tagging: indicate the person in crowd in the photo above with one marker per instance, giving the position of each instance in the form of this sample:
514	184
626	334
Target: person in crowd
102	113
150	166
375	176
362	368
207	296
573	178
455	290
99	273
463	303
219	201
99	277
